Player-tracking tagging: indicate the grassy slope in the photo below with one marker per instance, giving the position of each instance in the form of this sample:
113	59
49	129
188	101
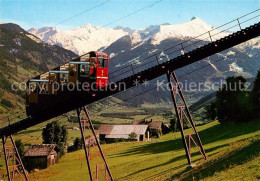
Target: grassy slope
232	150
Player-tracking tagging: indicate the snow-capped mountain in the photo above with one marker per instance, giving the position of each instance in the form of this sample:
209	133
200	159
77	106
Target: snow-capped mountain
81	39
156	38
135	48
190	29
86	38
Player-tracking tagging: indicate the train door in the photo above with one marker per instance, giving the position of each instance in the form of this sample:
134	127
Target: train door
33	92
102	71
43	88
93	67
85	65
73	73
44	83
64	77
53	85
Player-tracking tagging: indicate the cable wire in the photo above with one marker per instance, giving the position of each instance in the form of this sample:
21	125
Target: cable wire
168	48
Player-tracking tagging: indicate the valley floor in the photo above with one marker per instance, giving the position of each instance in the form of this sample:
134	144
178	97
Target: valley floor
233	154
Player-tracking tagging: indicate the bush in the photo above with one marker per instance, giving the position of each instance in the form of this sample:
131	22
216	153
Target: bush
156	133
70	149
132	136
210	111
174	125
102	142
60	148
77	145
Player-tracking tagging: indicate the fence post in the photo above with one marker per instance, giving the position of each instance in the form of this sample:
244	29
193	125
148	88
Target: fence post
183	51
239	24
132	68
157	59
210	37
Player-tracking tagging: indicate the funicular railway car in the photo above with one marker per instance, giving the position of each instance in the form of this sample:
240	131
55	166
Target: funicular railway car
80	74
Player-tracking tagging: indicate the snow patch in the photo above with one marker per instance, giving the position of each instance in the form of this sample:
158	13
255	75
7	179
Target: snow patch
134	61
218	72
152	51
118	65
231	53
34	38
213	66
135	38
112	55
235	68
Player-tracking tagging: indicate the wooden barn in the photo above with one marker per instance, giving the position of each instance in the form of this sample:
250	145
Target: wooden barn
107	132
40	156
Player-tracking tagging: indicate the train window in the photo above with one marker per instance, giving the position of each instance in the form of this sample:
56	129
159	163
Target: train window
44	88
105	63
53	77
73	69
33	87
63	78
93	62
102	63
84	70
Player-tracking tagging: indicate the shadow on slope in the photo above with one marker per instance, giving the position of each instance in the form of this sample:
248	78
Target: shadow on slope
215	133
236	157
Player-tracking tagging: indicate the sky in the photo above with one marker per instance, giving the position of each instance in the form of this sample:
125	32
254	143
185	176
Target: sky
136	14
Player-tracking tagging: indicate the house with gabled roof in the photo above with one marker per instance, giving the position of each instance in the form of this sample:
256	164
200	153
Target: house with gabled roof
107	132
40	156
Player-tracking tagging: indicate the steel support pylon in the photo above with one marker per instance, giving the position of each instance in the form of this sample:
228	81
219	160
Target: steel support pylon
182	113
13	160
92	142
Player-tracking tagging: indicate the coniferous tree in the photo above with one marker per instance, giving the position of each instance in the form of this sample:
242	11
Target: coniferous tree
54	133
256	96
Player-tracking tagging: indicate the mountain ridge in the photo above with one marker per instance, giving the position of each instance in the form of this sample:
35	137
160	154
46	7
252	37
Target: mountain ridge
87	37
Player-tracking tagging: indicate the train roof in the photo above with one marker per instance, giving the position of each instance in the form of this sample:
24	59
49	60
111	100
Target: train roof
77	59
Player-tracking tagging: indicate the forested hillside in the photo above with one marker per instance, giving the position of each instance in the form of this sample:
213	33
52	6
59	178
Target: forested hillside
22	55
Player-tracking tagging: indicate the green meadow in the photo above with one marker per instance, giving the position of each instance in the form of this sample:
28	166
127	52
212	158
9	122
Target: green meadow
233	152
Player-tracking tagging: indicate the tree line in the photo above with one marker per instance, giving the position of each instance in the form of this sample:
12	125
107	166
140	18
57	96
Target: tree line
234	102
